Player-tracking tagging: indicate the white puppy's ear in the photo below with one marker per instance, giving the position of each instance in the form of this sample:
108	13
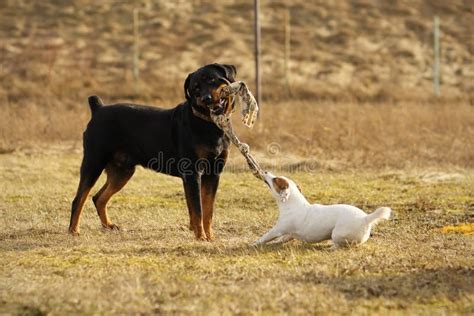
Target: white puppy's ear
282	187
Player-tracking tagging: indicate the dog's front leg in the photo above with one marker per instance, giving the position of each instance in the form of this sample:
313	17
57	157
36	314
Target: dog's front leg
275	232
192	191
209	184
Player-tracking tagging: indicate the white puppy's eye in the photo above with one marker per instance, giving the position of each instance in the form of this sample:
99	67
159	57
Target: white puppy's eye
282	187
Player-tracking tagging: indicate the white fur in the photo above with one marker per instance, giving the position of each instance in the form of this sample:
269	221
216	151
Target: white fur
344	224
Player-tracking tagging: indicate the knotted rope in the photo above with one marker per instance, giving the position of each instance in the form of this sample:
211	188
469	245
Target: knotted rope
239	91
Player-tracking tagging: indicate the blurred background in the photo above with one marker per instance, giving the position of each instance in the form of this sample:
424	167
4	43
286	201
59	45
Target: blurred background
338	77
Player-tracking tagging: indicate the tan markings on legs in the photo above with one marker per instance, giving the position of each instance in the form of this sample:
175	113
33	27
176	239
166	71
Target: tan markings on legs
77	206
192	192
208	195
195	221
116	180
198	228
207	209
90	172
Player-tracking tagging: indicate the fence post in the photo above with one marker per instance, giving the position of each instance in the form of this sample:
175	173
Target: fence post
136	52
257	51
286	63
436	66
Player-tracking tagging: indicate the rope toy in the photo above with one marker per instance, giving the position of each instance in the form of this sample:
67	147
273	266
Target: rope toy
238	91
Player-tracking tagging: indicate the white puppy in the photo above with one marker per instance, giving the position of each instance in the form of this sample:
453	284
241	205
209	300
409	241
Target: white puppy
344	224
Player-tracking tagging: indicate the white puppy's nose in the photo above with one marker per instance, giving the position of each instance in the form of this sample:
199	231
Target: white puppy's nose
268	176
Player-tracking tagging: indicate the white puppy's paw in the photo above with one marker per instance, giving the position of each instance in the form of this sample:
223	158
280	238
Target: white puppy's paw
334	247
257	243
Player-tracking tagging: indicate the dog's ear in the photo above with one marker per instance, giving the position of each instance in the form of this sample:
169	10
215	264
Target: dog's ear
187	82
282	187
230	71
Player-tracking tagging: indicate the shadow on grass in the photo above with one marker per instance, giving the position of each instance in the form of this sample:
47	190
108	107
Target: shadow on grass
28	238
222	249
418	286
20	309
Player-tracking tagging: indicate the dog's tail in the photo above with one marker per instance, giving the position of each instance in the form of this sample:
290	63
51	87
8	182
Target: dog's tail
378	215
95	103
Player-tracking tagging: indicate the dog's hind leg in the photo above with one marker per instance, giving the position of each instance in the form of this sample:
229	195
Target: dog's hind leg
209	184
90	172
116	179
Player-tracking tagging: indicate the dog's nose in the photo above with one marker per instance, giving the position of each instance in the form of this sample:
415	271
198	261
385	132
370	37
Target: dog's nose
207	99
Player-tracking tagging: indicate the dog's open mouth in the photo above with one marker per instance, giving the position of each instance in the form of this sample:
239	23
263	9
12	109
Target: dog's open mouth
219	107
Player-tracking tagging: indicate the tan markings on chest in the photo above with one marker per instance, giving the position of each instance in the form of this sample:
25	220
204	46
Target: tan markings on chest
208	152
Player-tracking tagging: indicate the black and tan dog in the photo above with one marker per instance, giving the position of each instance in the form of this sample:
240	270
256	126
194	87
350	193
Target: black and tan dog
181	142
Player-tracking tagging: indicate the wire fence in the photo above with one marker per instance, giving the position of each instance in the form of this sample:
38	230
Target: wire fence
352	45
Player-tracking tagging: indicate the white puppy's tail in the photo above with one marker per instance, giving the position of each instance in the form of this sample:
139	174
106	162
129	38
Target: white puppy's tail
378	215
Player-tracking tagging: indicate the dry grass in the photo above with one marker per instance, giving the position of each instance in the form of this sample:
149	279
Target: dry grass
339	50
323	134
154	266
367	135
362	69
357	125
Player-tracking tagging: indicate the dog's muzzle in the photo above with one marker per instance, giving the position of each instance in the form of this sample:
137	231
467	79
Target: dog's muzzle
218	107
267	177
222	104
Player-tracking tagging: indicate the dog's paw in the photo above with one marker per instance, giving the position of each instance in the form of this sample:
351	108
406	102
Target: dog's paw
111	227
114	227
209	236
201	238
334	247
255	244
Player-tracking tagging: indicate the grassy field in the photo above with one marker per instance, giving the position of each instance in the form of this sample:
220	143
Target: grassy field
328	134
153	265
354	122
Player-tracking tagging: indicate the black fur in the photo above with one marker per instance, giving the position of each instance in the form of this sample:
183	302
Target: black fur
124	135
95	103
